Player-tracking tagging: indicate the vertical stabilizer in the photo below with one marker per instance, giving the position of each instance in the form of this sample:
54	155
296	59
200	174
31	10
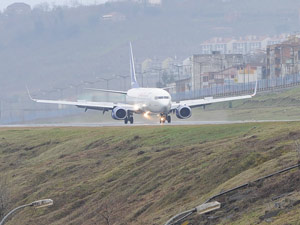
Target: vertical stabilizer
134	83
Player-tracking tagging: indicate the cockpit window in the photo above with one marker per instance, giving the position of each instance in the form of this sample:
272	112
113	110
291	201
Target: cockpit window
162	97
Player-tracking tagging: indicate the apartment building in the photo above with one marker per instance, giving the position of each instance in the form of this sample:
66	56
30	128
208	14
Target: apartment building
242	45
284	59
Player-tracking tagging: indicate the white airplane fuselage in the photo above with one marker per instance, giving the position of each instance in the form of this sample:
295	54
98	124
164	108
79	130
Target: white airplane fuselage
154	100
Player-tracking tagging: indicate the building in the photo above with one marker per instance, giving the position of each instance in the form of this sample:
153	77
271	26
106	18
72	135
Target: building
183	85
216	44
155	2
249	73
150	2
222	77
114	16
146	65
187	66
206	68
284	59
18	8
242	45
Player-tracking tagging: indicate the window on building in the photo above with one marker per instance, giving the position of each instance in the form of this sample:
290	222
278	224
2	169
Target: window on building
205	79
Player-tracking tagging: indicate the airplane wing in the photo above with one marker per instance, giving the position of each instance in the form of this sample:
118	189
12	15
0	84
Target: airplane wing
109	91
105	106
88	105
206	101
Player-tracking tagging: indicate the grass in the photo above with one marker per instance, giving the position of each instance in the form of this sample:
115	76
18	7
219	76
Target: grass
146	174
276	105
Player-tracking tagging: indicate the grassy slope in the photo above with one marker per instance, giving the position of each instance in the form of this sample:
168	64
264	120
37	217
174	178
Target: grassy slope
276	105
147	174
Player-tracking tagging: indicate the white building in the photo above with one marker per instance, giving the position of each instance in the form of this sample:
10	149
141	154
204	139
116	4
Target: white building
216	44
155	2
150	2
242	45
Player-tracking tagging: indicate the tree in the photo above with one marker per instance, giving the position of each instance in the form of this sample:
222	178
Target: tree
167	78
106	213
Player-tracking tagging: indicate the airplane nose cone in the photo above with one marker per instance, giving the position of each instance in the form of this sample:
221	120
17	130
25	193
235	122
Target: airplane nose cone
166	105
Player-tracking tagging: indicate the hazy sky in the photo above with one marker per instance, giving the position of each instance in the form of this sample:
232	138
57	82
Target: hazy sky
5	3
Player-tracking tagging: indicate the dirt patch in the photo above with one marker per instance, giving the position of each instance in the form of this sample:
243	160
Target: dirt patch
96	144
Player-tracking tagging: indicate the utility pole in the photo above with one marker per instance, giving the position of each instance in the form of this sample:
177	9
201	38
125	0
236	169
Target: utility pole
124	77
107	80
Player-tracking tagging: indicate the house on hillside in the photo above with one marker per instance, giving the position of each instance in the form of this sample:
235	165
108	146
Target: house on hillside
150	2
241	45
249	73
206	68
18	8
114	16
284	58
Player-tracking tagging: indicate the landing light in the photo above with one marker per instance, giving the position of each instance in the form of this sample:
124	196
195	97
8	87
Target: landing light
147	115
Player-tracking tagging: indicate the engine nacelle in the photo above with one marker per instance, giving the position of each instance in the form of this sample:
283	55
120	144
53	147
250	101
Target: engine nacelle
118	113
183	112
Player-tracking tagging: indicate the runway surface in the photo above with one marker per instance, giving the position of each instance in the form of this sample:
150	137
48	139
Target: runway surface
119	124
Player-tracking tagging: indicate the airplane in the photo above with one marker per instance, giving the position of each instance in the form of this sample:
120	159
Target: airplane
145	101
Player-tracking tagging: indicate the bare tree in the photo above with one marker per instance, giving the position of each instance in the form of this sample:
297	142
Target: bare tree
112	211
106	213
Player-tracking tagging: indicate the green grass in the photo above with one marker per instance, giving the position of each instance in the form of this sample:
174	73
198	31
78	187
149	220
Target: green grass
275	105
144	174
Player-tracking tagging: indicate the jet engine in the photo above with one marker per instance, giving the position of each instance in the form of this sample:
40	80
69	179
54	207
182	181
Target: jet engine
118	113
183	112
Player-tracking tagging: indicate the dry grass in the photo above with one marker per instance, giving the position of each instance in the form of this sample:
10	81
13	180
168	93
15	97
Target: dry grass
147	174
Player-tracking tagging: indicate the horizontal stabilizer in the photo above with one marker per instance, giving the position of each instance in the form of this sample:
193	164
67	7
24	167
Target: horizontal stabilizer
109	91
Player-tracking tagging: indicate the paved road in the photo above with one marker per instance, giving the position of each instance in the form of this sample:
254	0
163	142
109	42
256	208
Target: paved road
119	124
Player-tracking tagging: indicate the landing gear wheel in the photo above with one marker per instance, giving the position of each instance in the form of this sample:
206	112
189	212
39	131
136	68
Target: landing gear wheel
169	119
126	120
131	120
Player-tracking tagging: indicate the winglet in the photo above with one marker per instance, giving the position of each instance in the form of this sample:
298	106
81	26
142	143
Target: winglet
29	94
255	90
134	83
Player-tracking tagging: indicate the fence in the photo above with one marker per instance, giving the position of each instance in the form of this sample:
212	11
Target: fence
238	89
20	112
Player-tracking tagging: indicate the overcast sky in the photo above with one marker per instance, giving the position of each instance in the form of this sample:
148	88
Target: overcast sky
5	3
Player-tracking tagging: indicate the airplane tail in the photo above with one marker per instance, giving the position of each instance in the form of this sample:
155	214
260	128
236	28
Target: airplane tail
134	83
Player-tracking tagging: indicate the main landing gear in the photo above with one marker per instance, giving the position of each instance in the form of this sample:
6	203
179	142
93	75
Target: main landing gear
164	118
129	119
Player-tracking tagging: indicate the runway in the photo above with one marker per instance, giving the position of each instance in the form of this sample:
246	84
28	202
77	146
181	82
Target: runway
138	124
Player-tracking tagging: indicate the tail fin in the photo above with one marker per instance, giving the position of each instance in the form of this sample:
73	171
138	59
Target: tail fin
134	83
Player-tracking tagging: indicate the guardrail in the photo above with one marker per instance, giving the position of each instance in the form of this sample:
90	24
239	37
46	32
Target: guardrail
239	89
182	216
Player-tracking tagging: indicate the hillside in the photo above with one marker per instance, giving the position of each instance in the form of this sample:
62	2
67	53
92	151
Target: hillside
56	48
274	105
144	175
